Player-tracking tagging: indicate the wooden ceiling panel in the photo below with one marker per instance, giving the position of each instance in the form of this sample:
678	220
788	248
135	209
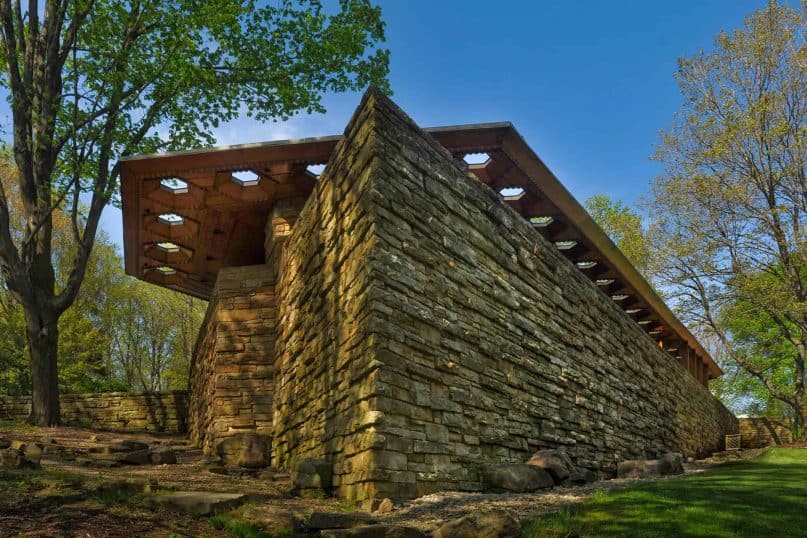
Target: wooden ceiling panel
224	220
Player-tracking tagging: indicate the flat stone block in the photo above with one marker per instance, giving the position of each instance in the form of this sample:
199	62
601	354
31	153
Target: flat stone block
199	503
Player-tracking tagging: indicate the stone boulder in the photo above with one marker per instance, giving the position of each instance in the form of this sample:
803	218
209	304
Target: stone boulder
671	463
135	457
32	451
375	531
515	477
199	503
123	445
4	443
311	476
556	462
580	477
249	450
12	458
162	456
480	525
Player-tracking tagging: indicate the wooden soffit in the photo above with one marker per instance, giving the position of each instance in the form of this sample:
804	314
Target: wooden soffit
223	196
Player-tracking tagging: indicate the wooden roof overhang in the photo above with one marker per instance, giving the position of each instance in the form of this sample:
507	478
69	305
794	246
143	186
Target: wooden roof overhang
222	220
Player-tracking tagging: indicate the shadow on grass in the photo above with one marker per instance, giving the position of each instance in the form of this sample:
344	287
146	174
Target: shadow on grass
762	497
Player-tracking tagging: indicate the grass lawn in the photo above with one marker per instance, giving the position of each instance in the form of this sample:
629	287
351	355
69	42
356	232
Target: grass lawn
766	496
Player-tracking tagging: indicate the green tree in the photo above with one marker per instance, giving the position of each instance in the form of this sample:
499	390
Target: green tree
731	204
153	352
624	226
92	80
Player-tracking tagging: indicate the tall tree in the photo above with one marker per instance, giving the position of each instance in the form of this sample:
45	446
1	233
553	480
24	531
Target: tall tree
731	204
91	80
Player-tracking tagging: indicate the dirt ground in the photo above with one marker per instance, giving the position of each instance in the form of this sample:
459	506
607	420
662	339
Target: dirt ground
63	500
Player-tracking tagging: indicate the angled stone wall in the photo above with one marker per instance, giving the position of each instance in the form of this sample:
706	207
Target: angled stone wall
326	367
425	329
231	375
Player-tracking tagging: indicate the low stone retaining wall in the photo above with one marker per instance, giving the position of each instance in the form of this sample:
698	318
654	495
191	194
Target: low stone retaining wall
758	432
112	410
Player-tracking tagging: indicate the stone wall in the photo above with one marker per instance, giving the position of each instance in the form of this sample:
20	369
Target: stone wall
326	368
425	329
231	374
758	432
112	410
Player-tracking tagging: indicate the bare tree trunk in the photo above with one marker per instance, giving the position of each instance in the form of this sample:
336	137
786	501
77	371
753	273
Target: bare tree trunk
43	338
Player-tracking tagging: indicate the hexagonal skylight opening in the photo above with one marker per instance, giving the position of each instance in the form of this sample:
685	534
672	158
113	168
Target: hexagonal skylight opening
586	264
633	310
315	170
541	221
645	322
476	158
565	245
171	219
604	281
246	178
168	246
166	270
174	185
512	193
619	297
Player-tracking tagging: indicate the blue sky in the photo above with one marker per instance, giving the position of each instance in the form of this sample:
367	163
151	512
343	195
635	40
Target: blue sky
589	84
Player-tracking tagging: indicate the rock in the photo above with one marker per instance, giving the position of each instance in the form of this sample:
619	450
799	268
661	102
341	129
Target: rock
669	464
48	441
384	507
311	475
161	456
4	443
92	438
123	445
245	449
12	458
515	477
137	457
375	531
338	520
32	451
579	477
672	463
556	462
480	525
199	503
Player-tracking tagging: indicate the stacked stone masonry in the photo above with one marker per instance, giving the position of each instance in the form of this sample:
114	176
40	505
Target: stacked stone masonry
759	432
420	328
117	411
425	329
231	376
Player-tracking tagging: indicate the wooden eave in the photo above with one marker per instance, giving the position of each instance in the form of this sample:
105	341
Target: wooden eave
224	222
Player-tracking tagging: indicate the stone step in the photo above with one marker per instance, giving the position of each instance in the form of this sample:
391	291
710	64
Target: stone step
199	503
